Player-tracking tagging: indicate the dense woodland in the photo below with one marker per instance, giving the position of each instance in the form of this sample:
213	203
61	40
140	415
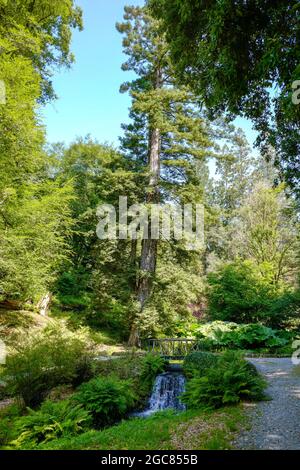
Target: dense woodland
245	281
49	194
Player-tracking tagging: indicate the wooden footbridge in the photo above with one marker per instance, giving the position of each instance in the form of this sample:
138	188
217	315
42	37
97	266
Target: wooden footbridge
172	348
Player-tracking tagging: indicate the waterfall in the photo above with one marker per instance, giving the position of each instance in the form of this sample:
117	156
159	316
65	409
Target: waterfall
165	394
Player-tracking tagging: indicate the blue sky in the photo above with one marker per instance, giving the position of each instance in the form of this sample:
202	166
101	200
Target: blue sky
89	99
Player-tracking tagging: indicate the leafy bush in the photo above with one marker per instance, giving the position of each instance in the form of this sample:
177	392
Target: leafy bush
51	421
196	363
285	311
185	328
107	399
152	366
231	380
219	335
238	292
141	370
41	360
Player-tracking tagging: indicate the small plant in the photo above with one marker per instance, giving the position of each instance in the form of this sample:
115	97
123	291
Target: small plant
51	421
42	360
218	335
107	399
152	366
196	363
231	380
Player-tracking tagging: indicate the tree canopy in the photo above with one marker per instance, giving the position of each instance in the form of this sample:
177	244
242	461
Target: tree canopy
241	58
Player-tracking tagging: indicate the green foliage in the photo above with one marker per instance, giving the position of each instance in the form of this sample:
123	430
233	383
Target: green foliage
239	292
41	360
252	259
161	431
34	218
40	32
107	399
151	366
229	381
141	370
127	367
186	329
72	290
100	281
8	416
285	311
196	363
51	421
35	243
269	233
178	283
220	335
247	44
162	111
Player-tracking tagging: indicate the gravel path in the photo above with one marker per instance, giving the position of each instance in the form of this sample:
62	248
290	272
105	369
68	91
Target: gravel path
275	424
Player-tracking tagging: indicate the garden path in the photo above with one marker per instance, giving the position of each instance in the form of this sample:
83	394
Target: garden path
275	424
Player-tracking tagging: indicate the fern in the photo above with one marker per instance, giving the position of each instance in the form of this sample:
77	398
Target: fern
229	381
51	421
107	399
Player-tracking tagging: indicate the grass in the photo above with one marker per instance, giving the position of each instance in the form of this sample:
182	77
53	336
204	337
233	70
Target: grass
190	430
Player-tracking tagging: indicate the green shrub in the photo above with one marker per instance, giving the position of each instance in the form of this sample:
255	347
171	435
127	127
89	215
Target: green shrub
255	336
152	365
238	292
42	360
107	399
141	370
231	380
196	363
52	421
220	335
285	311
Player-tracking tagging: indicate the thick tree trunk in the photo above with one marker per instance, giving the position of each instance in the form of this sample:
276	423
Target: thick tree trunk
149	246
134	336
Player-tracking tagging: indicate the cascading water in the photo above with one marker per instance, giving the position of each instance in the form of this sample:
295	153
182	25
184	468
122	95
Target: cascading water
165	394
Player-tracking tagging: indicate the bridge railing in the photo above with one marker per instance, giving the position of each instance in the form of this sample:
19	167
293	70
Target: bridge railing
172	348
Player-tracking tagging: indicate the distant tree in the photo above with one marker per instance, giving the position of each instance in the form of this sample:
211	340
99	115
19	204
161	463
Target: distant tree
269	233
235	176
